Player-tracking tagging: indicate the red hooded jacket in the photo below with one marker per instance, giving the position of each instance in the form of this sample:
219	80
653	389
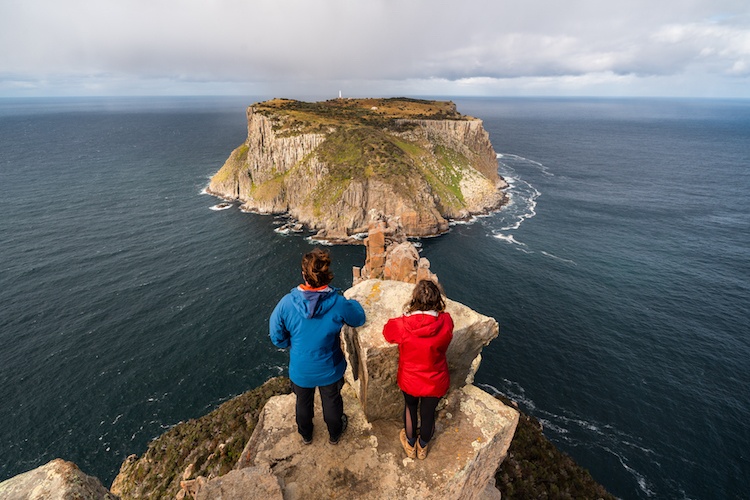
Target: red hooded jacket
422	340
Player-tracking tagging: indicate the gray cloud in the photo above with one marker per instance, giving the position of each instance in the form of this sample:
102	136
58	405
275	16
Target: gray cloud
287	41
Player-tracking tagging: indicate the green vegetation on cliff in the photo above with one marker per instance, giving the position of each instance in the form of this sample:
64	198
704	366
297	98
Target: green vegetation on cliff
292	117
359	153
233	165
213	443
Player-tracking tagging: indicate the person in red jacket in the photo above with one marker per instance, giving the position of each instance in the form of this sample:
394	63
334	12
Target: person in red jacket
423	334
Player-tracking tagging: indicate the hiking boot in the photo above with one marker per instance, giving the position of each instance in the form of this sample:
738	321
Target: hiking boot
344	425
421	451
410	450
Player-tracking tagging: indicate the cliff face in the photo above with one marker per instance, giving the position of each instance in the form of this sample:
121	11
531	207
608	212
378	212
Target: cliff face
329	165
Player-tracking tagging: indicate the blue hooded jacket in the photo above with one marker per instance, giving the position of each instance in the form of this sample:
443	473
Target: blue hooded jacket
309	323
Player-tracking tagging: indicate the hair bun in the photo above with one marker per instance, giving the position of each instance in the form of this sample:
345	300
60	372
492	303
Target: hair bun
316	268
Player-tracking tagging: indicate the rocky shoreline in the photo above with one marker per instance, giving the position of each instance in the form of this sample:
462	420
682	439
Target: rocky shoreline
322	236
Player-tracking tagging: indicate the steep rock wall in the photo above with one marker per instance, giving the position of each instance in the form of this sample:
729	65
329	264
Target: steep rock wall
469	137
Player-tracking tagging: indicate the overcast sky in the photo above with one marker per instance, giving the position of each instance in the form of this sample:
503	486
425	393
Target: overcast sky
698	48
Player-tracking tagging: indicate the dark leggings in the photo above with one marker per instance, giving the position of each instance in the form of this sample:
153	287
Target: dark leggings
427	407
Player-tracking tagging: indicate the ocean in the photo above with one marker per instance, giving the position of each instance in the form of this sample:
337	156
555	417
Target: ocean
619	274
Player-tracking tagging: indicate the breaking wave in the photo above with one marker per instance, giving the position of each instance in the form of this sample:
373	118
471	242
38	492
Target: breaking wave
522	195
522	201
221	206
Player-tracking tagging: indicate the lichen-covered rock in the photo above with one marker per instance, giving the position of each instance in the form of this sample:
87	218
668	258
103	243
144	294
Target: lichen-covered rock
402	263
472	434
57	480
251	483
373	362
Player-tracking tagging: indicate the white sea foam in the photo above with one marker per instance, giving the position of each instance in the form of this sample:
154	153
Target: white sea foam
509	238
522	197
314	241
519	245
562	427
543	168
555	257
640	478
548	424
584	424
513	391
222	206
648	451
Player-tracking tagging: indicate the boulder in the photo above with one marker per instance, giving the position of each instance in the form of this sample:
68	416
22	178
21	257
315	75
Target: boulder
472	435
373	362
56	480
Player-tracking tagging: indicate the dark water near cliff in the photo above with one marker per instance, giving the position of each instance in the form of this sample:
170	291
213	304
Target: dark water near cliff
620	275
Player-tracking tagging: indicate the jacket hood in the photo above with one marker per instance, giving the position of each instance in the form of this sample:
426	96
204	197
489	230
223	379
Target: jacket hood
424	325
313	304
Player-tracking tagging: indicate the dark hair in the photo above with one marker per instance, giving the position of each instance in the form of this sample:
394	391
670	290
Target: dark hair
426	296
316	268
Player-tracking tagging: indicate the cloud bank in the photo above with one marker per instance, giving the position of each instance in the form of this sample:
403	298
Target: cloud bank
690	47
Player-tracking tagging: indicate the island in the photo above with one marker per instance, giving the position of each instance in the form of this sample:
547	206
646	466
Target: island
332	165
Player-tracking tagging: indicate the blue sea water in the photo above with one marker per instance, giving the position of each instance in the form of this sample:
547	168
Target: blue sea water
619	273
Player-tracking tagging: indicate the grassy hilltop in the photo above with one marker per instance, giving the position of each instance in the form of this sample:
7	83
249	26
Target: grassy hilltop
316	117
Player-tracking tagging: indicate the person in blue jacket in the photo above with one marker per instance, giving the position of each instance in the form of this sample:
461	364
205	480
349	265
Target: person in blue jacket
308	321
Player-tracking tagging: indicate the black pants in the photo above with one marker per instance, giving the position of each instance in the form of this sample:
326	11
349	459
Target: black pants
333	408
427	407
